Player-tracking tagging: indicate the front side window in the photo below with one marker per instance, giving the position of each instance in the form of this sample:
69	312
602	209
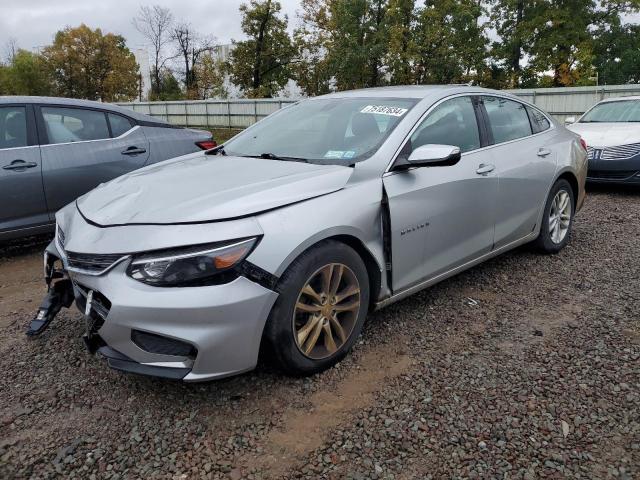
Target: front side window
65	125
339	131
453	122
119	124
508	120
613	112
13	127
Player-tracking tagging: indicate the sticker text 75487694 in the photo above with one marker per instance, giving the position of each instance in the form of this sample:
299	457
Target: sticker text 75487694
385	110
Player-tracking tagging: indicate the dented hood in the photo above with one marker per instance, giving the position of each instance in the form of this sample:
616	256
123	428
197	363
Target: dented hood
207	188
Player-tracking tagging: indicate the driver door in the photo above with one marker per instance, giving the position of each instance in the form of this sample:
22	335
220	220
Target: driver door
442	216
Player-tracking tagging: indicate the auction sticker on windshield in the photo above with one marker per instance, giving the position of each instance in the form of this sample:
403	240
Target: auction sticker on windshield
385	110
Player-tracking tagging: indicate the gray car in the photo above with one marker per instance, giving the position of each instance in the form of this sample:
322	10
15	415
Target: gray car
52	150
283	239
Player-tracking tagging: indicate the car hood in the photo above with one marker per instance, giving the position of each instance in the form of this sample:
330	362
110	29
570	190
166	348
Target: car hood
205	188
607	134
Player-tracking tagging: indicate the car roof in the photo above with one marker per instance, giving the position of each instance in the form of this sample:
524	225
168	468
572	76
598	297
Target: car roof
620	99
73	102
414	91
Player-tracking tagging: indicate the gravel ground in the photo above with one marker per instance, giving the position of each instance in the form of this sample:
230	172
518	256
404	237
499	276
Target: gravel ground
525	367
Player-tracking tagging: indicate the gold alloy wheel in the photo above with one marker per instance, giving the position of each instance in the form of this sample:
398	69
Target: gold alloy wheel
326	311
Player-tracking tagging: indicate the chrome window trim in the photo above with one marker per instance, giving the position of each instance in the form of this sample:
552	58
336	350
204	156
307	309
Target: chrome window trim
131	130
18	148
552	127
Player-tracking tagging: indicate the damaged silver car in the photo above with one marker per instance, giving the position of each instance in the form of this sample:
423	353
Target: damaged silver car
284	238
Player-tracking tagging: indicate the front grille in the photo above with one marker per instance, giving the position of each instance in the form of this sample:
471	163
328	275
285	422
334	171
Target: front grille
610	175
620	152
92	263
60	234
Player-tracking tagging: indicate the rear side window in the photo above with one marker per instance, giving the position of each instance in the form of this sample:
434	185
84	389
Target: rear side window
119	124
13	127
508	120
539	123
65	125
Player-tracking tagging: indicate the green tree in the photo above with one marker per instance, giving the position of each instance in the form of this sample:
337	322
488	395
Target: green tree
312	71
260	65
25	75
617	55
169	88
401	20
513	21
451	42
87	64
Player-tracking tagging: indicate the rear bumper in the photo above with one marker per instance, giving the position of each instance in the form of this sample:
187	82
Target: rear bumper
220	325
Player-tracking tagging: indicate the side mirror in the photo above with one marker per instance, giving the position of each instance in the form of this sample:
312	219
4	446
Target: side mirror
431	156
569	120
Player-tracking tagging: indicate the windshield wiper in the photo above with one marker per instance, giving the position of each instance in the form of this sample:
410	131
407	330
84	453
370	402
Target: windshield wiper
273	156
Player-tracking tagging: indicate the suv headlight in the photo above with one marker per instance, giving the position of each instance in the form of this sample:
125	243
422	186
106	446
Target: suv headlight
201	264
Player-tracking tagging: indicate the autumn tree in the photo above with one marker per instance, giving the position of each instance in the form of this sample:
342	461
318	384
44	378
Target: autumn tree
209	72
86	64
154	24
260	65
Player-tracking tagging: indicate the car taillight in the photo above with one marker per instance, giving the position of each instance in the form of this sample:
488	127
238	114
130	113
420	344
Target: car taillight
583	143
207	144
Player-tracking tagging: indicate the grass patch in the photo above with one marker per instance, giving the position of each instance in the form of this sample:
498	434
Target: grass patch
221	135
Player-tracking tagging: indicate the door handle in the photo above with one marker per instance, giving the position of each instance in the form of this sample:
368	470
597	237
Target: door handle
485	168
543	152
19	165
134	151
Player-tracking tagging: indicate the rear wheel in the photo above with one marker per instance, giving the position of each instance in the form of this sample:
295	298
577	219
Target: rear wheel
557	219
323	301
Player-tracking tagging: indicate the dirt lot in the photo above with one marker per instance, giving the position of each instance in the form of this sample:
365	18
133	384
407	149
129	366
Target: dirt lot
525	367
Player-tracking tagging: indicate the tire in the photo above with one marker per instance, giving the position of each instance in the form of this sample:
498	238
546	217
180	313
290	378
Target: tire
552	240
291	329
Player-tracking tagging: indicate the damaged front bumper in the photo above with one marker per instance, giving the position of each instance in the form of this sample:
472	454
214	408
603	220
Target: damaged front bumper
189	333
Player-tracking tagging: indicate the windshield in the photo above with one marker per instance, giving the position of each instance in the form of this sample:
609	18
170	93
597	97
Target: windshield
621	111
338	131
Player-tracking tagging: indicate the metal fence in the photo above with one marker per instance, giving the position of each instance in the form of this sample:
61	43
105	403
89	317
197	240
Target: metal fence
559	102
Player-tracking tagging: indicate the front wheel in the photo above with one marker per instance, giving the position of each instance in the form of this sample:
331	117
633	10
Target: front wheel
324	298
557	219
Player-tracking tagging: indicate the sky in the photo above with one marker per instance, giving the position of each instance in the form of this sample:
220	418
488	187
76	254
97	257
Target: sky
33	23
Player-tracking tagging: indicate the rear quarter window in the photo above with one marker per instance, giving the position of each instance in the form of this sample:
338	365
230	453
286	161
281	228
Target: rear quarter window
539	123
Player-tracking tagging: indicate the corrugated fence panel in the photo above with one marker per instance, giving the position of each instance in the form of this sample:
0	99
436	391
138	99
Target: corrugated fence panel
241	113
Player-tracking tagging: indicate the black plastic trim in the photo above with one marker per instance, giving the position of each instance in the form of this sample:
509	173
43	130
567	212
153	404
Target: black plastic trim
118	361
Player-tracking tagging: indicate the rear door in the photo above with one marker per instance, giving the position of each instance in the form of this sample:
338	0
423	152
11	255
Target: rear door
84	147
22	201
442	217
525	162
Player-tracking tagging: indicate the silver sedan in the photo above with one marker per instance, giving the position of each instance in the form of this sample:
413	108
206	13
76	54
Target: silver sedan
286	237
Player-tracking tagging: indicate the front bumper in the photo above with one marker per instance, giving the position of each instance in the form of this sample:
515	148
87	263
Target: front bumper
222	323
614	171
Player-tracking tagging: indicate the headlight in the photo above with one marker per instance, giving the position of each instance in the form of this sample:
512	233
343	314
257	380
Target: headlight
189	266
